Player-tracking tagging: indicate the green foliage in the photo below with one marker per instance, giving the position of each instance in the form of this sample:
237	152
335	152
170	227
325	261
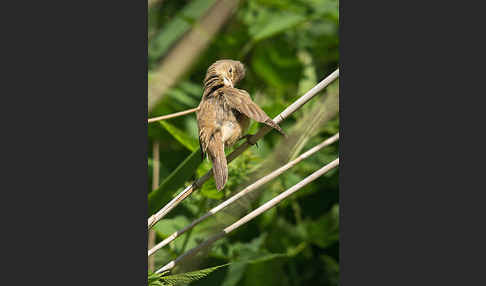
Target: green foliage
325	230
173	182
175	28
154	279
181	136
188	277
287	47
270	24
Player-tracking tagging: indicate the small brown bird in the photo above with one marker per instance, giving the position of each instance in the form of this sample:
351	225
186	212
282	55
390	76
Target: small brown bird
224	114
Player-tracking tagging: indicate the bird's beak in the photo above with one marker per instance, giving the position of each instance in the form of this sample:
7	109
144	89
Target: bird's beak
227	82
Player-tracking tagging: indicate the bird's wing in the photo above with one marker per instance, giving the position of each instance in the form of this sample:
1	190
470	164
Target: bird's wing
208	116
240	100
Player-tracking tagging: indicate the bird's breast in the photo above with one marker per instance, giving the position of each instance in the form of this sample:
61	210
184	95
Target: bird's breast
233	126
228	130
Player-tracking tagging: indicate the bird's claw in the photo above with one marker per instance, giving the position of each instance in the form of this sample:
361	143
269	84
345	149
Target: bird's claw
248	137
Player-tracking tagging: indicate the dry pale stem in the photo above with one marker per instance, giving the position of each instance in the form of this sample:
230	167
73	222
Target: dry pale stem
152	3
155	185
245	191
266	206
172	115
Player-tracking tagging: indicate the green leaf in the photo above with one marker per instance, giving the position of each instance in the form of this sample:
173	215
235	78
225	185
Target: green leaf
190	239
154	279
189	276
211	192
253	253
191	88
182	97
277	66
331	269
161	196
237	269
274	24
263	68
167	226
235	273
325	7
209	188
325	231
181	136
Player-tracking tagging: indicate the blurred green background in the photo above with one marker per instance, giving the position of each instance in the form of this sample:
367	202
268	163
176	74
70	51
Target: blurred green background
287	47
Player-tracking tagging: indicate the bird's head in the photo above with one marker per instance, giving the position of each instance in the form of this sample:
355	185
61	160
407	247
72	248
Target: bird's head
228	71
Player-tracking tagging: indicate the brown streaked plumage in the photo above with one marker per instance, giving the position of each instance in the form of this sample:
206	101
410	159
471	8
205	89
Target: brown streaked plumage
224	114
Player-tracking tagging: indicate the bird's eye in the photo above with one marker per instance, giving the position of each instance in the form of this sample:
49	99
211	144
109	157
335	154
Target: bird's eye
231	70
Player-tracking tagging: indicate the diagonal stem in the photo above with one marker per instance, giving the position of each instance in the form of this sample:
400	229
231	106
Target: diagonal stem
245	191
266	206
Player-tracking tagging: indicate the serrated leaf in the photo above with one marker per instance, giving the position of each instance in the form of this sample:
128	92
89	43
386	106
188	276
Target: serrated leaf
161	196
189	276
154	279
187	141
251	252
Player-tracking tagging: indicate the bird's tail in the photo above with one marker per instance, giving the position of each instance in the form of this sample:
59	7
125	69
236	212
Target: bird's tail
217	156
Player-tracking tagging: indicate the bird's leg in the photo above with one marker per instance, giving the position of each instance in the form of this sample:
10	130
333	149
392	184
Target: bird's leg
248	137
